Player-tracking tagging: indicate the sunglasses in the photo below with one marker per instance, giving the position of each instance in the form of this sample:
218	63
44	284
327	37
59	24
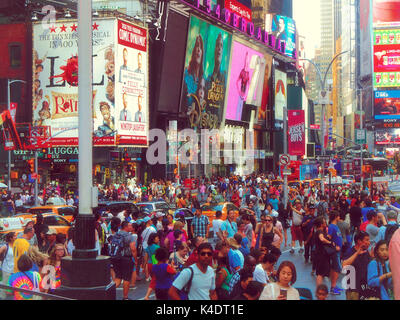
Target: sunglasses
203	254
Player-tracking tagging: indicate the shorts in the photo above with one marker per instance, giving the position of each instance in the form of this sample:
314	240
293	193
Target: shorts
335	262
322	265
123	268
297	233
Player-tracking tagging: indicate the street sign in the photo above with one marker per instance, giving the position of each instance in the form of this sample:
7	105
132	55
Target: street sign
361	136
324	97
284	160
315	127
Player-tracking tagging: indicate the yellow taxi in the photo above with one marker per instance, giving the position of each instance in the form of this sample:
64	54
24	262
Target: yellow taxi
67	212
210	209
52	220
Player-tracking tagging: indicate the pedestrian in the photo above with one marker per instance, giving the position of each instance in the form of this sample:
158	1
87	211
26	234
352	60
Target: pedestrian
379	272
229	227
223	276
123	248
322	292
264	271
359	257
202	285
322	257
283	288
163	273
200	225
249	266
246	276
386	232
216	227
265	232
55	256
336	237
7	259
283	217
235	256
297	219
150	251
21	246
307	229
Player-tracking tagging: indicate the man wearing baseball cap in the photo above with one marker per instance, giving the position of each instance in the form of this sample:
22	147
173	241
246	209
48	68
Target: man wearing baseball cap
307	228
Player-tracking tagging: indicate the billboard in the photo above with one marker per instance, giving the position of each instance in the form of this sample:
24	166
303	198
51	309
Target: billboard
387	58
55	79
284	28
296	133
387	136
205	75
131	85
309	172
387	104
239	8
247	73
386	13
280	94
116	84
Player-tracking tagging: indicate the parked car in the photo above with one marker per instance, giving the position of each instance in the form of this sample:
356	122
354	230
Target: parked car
68	212
115	207
153	206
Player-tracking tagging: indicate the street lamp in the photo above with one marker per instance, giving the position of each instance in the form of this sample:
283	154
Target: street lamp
323	84
9	83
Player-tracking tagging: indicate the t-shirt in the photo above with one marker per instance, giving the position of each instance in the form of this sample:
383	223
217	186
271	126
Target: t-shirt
164	275
236	259
202	283
248	231
145	236
297	218
372	231
360	265
20	247
260	275
216	225
151	251
364	212
274	203
28	280
230	227
334	232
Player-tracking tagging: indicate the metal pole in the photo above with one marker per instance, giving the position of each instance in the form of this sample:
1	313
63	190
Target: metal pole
85	50
285	150
9	151
37	178
323	148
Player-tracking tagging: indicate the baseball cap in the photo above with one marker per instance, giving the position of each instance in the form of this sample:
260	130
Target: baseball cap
51	231
147	219
26	221
160	214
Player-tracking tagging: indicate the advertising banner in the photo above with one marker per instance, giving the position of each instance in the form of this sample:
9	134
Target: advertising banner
13	110
131	86
387	104
308	172
247	74
386	13
296	132
284	28
387	136
387	58
280	94
55	80
205	75
239	8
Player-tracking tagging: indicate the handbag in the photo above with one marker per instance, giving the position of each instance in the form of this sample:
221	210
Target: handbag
329	249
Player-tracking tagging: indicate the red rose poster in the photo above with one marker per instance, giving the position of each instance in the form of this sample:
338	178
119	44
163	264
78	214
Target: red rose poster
296	136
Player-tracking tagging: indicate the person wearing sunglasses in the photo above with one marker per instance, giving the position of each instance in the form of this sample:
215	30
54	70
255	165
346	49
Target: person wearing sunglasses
202	286
266	231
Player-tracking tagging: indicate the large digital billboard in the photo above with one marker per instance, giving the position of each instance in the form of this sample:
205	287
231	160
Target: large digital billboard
280	94
247	73
387	136
386	13
205	75
284	28
387	58
387	104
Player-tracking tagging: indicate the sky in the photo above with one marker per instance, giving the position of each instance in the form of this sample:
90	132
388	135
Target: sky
306	13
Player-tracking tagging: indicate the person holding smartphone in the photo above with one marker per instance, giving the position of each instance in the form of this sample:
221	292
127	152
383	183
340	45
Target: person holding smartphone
282	290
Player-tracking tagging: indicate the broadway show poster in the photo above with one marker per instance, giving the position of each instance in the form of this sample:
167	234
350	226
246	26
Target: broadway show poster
205	76
55	80
386	13
131	85
280	94
387	136
246	81
284	29
266	93
296	130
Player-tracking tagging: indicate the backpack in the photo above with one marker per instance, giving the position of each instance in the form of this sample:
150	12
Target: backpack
117	247
390	230
320	209
184	293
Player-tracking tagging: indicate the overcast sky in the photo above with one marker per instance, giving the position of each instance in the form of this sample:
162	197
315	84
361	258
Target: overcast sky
306	13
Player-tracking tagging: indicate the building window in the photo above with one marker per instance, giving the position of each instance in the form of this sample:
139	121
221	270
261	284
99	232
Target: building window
15	55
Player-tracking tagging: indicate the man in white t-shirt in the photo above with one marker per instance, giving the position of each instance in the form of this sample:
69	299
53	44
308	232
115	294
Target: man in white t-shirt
265	269
216	225
147	232
203	281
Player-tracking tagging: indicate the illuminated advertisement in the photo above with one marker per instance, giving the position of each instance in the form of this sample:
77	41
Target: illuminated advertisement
386	13
280	94
238	8
131	85
387	104
284	28
205	75
55	81
247	74
386	58
388	136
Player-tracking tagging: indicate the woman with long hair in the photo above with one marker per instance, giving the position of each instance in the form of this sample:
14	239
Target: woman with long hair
379	272
39	259
55	256
7	266
265	232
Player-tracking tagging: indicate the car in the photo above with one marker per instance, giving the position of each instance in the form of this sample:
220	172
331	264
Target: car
210	209
68	212
153	206
115	207
294	184
56	201
276	183
185	212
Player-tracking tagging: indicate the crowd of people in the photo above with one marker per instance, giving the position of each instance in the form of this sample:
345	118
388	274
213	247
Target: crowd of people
234	255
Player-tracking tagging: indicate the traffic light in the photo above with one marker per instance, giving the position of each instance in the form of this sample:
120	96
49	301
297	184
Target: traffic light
31	163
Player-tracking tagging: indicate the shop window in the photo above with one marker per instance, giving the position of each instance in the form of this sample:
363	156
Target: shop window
15	51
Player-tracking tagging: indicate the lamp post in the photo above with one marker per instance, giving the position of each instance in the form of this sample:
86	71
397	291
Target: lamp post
323	85
9	83
85	275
